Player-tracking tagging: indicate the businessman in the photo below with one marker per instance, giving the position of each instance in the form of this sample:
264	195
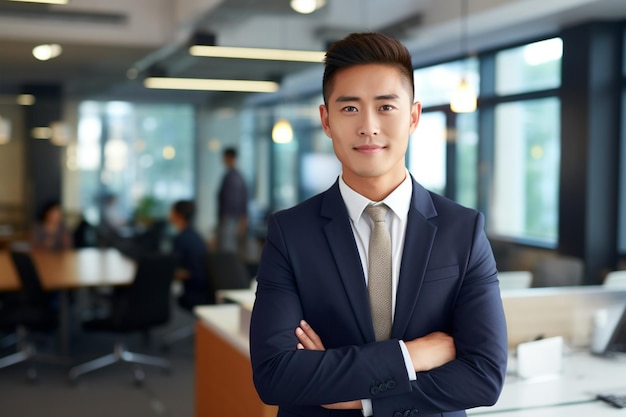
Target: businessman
376	297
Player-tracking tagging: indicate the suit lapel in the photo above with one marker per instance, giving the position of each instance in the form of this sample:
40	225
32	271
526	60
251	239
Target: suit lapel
418	242
346	256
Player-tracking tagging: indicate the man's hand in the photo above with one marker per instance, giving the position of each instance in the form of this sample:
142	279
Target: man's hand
307	337
309	340
431	351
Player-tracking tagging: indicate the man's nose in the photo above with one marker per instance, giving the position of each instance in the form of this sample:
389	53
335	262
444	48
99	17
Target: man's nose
369	125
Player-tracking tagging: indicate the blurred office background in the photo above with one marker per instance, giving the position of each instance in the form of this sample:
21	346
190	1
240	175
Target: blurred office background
540	156
543	155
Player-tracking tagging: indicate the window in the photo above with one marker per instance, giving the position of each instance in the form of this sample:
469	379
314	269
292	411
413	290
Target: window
427	152
141	153
434	85
466	141
532	67
526	170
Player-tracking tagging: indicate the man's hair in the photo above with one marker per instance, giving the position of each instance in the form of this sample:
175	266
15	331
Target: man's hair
185	209
363	49
231	152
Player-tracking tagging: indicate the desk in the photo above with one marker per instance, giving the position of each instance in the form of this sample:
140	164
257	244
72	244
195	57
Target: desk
72	269
583	377
9	280
223	381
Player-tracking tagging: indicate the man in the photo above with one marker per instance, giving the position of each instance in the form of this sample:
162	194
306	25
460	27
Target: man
233	206
191	250
318	340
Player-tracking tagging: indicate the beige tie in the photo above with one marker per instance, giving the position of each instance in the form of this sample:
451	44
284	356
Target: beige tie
379	272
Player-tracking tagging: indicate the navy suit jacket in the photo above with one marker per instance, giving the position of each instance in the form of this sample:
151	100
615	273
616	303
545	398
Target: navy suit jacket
310	269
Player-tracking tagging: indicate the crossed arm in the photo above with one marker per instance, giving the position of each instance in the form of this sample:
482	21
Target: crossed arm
428	352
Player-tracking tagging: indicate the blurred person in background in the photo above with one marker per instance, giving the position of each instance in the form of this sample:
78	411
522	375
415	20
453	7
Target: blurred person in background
190	248
233	206
50	232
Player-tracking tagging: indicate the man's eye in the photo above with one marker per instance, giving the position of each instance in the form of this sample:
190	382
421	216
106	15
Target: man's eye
386	107
350	109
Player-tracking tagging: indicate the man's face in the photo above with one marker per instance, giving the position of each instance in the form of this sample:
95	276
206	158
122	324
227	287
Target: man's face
369	117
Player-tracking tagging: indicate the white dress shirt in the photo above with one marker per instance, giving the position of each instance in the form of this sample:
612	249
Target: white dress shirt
399	203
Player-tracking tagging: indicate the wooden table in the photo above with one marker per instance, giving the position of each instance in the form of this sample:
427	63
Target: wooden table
72	269
68	270
9	280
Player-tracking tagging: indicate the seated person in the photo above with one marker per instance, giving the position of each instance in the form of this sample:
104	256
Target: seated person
50	233
191	250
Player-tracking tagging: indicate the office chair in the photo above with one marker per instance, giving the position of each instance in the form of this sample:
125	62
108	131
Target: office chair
514	280
227	271
562	271
30	310
224	271
137	308
615	279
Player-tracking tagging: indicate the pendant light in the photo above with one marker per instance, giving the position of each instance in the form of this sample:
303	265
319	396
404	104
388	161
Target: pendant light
463	98
282	131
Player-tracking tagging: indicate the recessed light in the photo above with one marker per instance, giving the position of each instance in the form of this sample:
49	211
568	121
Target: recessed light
47	51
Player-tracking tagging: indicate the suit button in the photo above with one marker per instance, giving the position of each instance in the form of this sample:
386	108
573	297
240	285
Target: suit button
382	387
407	413
374	391
391	384
397	414
414	412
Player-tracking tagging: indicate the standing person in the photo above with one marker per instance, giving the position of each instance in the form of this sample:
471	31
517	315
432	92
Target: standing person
49	232
233	206
398	318
191	250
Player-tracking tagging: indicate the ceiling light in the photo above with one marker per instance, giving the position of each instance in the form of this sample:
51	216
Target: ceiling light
307	6
463	98
47	51
41	133
43	1
25	99
282	132
201	84
256	53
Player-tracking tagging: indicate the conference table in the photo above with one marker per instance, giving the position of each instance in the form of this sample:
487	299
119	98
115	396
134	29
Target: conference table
69	270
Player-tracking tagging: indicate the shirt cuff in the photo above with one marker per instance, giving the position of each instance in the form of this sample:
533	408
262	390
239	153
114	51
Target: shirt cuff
408	362
366	407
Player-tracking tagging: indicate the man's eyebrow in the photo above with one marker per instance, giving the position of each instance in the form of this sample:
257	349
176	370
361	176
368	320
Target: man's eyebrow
388	97
343	99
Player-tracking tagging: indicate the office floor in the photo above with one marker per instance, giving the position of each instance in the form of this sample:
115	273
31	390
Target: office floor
109	391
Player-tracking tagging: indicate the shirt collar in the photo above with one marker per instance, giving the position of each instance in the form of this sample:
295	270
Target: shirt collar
399	201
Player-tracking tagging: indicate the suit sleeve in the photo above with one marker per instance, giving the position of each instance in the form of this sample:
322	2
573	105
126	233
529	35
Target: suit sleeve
284	375
476	376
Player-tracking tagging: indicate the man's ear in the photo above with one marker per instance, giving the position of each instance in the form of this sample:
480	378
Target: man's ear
416	112
324	120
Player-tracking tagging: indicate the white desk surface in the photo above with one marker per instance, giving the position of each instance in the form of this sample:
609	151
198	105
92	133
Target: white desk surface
583	377
224	319
243	296
588	409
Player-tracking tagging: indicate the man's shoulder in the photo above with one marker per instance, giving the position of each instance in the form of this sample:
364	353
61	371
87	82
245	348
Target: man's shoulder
311	208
